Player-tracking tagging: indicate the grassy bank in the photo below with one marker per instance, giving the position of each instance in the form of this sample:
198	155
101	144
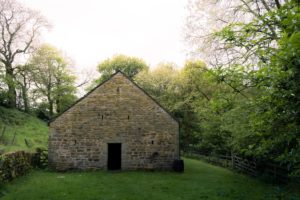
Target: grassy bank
21	131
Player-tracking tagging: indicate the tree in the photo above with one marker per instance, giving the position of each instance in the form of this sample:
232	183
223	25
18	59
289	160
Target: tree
24	81
159	82
131	66
237	20
205	105
19	29
180	91
277	116
261	46
53	79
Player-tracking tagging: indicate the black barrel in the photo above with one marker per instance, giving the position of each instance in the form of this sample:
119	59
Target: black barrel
178	166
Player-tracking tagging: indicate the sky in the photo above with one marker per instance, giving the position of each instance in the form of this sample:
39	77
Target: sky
93	30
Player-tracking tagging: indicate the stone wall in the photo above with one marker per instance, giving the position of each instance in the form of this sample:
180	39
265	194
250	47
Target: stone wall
116	112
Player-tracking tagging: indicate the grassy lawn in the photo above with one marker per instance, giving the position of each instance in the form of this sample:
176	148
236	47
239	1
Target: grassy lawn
200	181
23	126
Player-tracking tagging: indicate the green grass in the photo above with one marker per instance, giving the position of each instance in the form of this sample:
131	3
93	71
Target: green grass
23	126
199	181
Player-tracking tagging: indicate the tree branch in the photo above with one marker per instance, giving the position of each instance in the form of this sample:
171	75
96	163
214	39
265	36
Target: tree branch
277	4
266	5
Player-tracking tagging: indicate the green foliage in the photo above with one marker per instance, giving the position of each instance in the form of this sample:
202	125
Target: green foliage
278	110
266	124
12	116
164	83
195	97
39	158
130	66
3	98
199	181
159	83
20	28
54	81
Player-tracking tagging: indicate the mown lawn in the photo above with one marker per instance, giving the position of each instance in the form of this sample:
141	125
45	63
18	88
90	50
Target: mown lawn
200	181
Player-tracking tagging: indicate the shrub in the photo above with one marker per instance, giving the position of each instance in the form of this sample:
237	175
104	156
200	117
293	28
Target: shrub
40	159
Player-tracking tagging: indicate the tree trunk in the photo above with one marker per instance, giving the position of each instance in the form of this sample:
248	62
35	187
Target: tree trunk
10	80
25	99
25	88
50	106
58	106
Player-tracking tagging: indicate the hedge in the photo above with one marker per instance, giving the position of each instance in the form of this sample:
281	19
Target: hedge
19	163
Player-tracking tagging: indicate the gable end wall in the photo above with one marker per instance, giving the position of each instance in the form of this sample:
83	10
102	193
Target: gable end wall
116	112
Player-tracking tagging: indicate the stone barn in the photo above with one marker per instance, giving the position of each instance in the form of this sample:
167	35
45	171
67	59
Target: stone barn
116	126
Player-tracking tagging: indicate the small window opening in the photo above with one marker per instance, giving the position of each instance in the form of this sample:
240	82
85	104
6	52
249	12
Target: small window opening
102	117
118	90
152	142
128	117
75	142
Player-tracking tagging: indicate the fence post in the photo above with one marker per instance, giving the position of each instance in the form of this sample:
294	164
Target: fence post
26	142
13	140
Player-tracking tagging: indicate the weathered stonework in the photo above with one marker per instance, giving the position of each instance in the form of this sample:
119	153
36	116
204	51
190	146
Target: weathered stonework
117	111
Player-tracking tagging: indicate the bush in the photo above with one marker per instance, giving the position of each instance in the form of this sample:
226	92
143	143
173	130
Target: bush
3	98
40	159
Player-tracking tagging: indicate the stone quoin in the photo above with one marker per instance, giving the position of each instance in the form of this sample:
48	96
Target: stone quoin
115	126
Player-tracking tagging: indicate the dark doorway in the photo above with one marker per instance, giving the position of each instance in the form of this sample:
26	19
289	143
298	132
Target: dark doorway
114	156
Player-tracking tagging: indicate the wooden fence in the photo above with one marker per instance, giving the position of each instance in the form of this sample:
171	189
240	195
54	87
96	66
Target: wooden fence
244	165
277	172
255	168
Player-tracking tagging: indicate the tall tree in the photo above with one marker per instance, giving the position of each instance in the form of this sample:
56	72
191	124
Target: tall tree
128	65
53	79
159	82
24	82
180	91
261	42
19	29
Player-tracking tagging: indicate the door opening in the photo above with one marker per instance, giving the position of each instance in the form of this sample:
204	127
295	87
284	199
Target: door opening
114	156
